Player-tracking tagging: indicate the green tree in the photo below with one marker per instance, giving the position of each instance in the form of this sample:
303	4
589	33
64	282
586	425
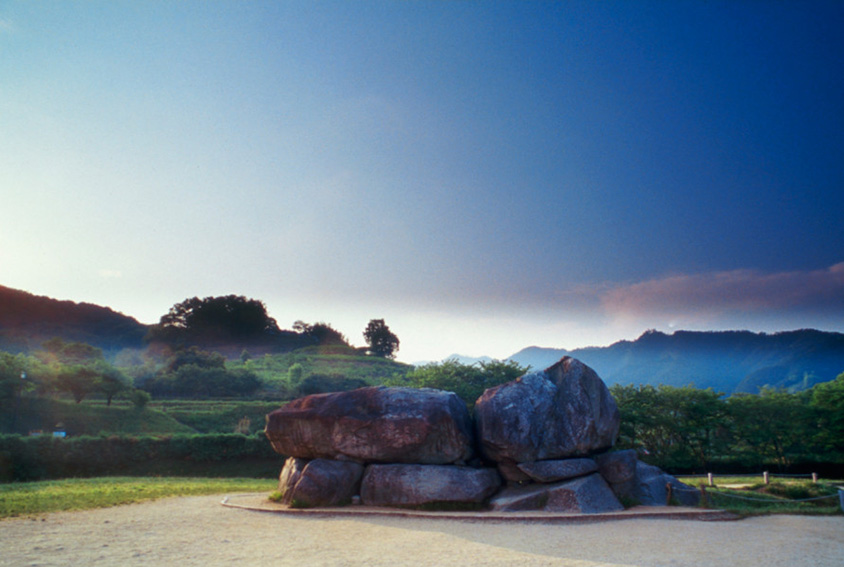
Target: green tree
468	381
78	380
111	382
771	426
828	400
294	373
676	427
381	341
214	321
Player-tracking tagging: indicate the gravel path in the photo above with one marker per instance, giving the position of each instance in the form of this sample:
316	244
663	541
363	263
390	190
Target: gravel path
198	531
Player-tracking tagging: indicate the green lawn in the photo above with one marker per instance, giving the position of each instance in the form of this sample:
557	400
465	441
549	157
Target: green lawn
31	498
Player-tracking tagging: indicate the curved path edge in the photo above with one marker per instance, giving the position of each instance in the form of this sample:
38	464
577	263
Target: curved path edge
260	503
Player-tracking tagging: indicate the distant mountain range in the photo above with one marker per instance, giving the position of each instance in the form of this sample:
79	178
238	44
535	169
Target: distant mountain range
27	320
727	361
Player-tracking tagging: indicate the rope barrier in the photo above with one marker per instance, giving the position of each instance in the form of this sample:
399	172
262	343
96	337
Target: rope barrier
769	501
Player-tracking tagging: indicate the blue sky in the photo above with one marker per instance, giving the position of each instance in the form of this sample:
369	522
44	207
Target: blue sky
484	176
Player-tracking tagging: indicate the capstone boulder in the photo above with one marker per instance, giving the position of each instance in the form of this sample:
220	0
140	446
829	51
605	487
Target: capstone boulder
375	425
563	411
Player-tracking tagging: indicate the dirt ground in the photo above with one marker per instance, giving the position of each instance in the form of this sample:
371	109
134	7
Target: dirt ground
198	531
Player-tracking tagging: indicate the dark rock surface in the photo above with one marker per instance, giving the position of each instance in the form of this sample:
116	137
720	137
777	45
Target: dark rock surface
588	495
651	487
319	482
418	485
557	470
382	425
563	411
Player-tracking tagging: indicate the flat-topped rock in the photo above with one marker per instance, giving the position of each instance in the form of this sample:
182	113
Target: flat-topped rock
378	424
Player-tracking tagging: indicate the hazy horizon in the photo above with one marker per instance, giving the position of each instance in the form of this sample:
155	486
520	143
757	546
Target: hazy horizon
484	176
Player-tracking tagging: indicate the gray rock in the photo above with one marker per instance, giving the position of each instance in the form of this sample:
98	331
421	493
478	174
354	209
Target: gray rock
564	411
587	495
651	487
557	470
617	467
511	472
383	425
418	485
319	482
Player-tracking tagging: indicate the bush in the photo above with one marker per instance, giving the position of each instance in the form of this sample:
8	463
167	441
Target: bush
47	457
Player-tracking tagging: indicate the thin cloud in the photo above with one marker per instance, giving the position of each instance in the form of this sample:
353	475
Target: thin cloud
110	273
711	295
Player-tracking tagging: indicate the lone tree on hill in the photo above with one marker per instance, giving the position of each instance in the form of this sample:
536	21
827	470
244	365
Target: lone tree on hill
381	341
215	320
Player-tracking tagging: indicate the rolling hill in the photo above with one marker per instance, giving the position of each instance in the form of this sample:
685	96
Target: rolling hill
27	320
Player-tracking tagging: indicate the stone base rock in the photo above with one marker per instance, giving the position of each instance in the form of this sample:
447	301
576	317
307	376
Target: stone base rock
420	485
651	487
317	483
555	471
587	495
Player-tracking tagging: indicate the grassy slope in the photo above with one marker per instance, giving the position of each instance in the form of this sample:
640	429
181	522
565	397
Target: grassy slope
93	419
273	369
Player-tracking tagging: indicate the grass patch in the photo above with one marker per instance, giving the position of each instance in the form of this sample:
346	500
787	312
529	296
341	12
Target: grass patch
780	496
31	498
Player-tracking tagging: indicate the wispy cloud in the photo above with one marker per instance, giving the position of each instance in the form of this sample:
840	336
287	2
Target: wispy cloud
110	273
710	296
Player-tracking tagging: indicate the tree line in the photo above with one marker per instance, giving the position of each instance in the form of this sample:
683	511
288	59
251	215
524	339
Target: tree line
693	430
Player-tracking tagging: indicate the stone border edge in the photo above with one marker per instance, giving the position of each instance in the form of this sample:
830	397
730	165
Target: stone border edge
638	513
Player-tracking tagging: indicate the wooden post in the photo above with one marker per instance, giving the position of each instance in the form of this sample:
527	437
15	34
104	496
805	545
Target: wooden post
765	477
704	498
668	493
710	479
815	477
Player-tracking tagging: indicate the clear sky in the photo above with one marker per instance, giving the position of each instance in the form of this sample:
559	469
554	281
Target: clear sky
485	176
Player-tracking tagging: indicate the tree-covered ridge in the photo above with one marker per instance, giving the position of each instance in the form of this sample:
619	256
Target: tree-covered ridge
728	361
27	320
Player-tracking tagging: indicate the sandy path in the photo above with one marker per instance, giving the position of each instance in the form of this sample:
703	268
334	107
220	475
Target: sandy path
199	531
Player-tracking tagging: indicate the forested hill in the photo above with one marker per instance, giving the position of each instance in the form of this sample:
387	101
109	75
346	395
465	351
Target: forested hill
27	320
728	361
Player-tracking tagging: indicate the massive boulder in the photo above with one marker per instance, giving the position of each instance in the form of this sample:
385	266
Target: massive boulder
420	485
308	484
587	495
379	424
564	411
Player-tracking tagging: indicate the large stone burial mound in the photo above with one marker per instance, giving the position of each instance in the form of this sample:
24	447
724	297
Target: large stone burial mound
543	442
